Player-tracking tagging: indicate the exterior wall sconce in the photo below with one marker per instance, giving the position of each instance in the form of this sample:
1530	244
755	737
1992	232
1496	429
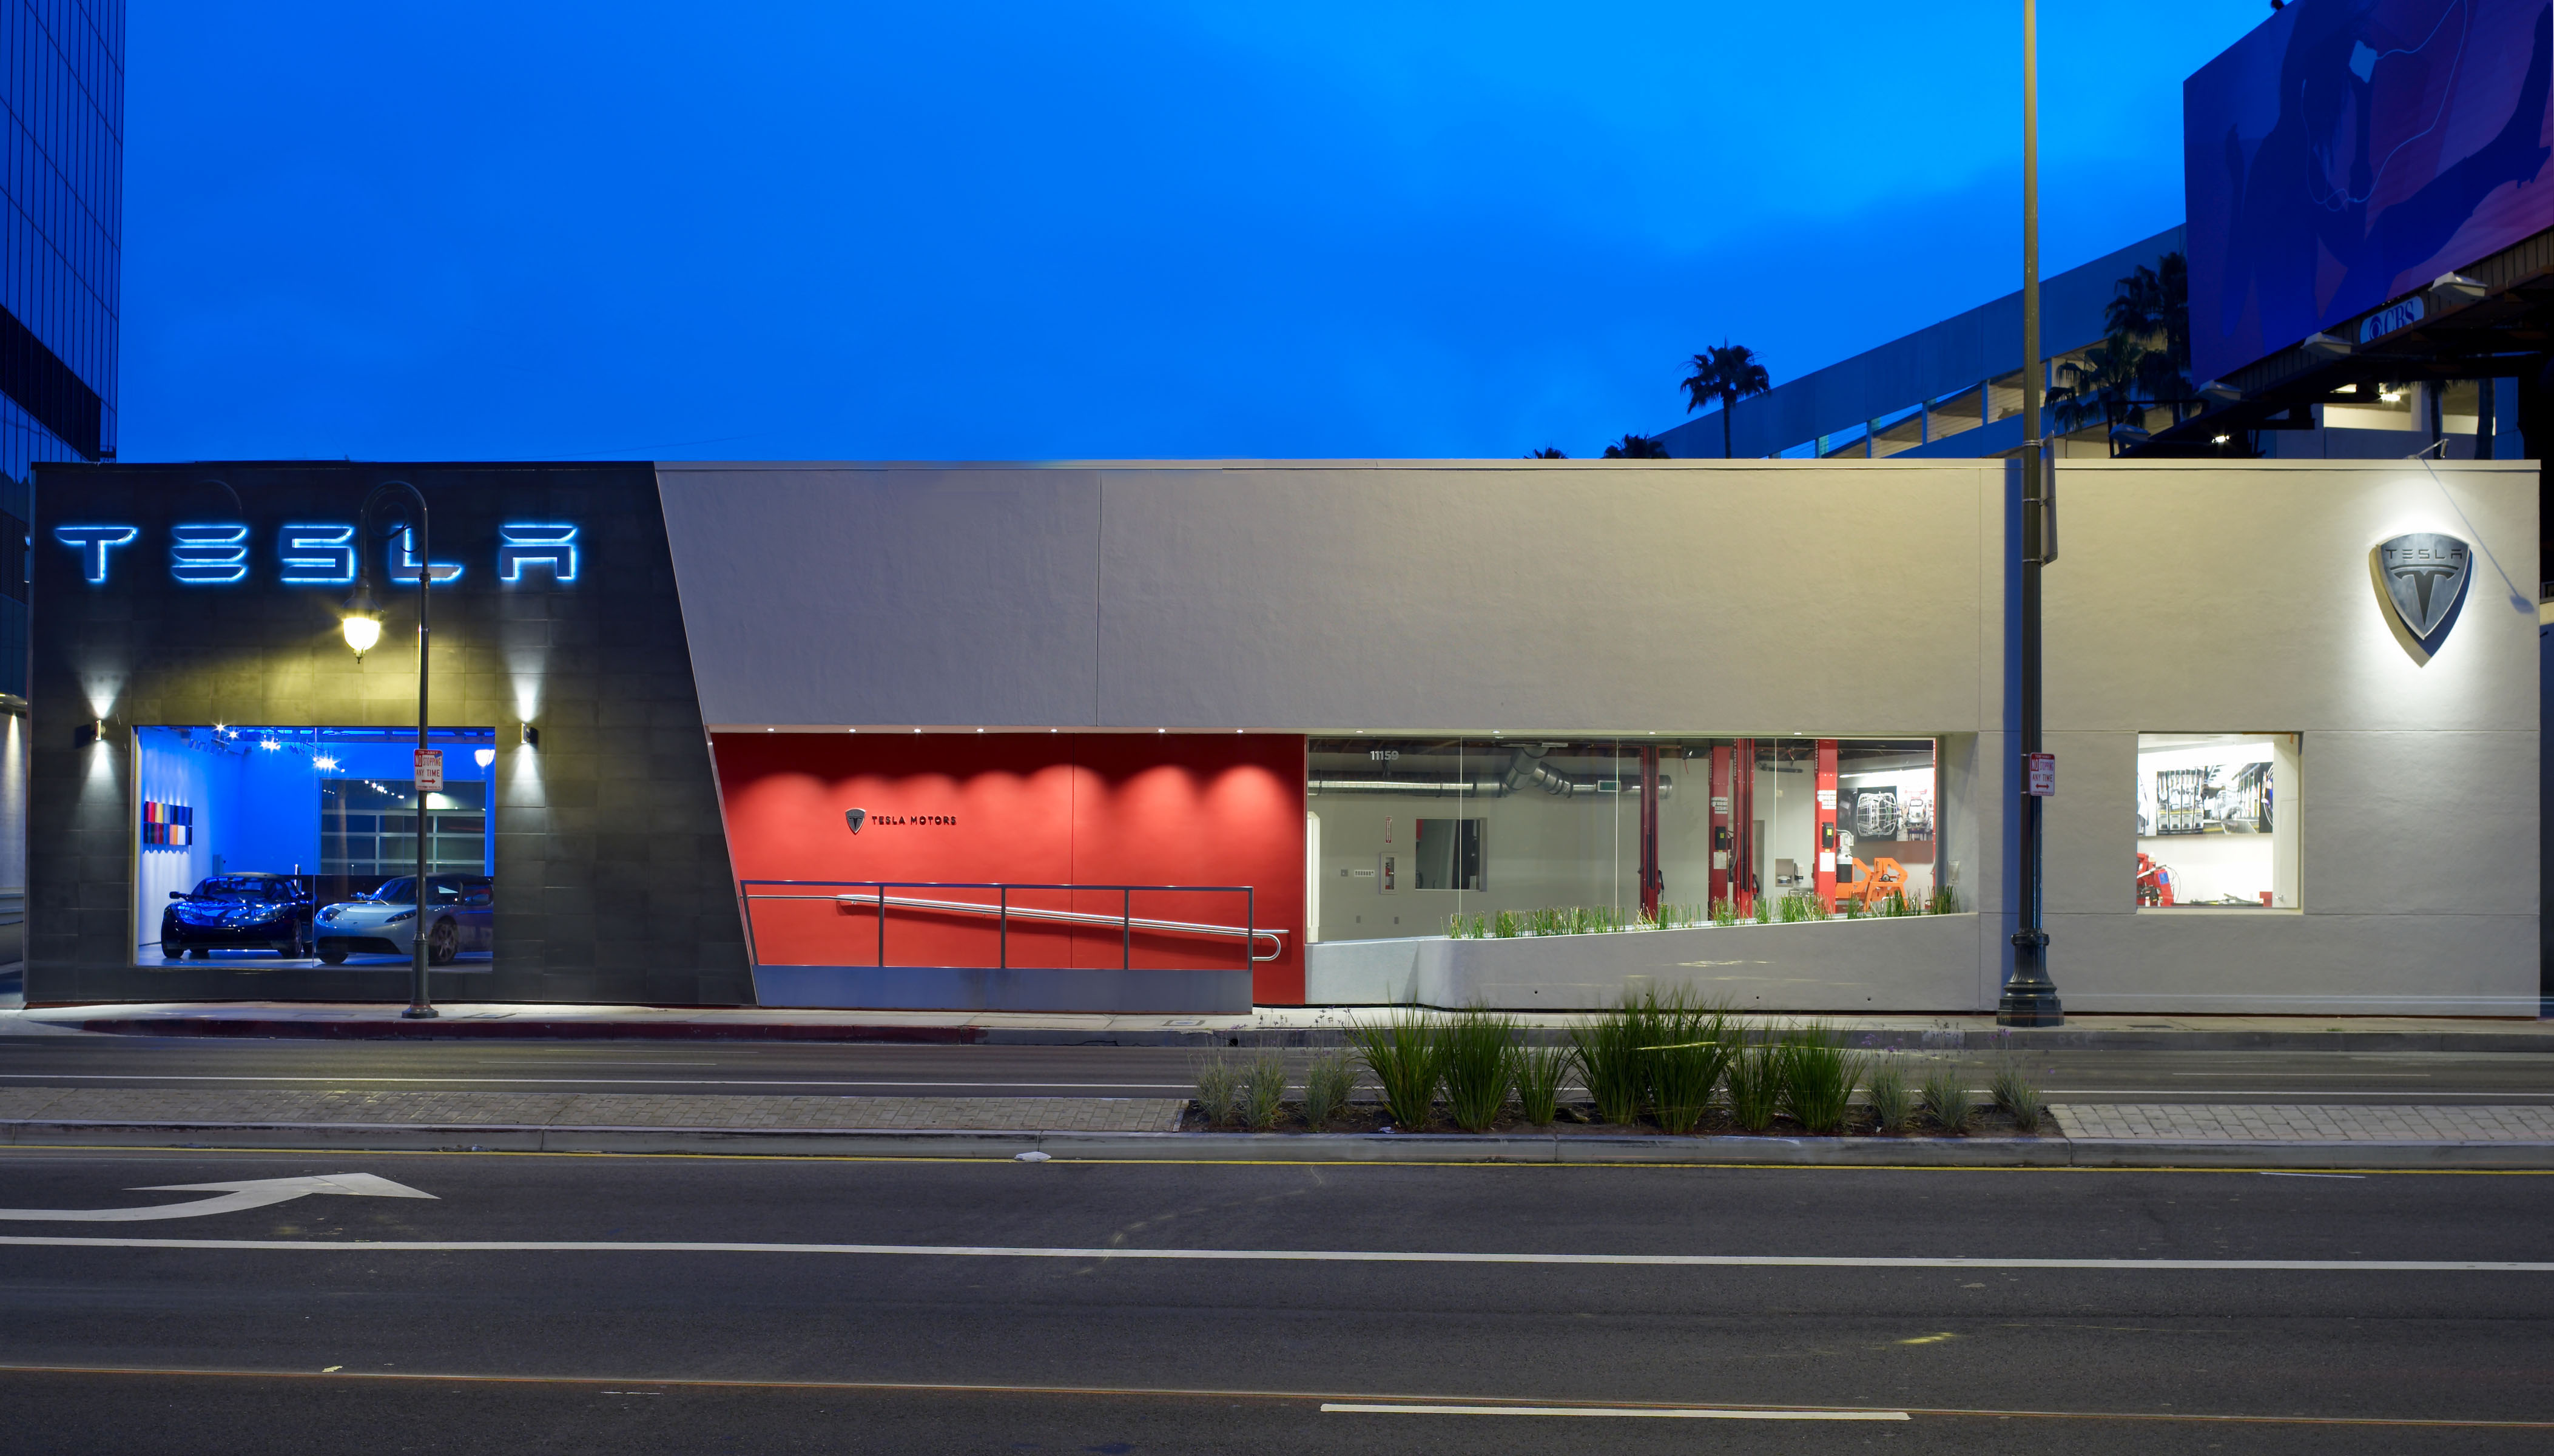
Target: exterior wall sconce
532	736
91	732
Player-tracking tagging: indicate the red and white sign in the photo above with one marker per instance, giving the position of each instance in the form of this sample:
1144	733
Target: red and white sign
2039	775
429	771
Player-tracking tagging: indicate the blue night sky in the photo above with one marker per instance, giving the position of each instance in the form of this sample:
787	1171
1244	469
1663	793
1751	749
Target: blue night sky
1031	231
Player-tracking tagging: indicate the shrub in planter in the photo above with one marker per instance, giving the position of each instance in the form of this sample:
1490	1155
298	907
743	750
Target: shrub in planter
1406	1053
1540	1071
1725	912
1330	1079
1480	1067
1945	1096
1218	1079
1755	1078
1891	1104
1819	1079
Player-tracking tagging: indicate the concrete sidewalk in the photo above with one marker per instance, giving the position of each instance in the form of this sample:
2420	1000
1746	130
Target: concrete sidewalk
1314	1026
2084	1135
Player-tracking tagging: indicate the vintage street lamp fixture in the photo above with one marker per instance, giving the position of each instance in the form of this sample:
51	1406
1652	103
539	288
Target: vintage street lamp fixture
363	627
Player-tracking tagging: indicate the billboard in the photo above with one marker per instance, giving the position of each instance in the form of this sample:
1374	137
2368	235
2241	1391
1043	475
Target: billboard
2348	151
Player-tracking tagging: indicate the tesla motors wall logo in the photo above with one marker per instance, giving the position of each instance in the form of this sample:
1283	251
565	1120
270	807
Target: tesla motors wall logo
2422	578
859	816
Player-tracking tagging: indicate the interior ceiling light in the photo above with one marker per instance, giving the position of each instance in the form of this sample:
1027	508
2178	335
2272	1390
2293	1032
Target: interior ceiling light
485	756
323	761
269	744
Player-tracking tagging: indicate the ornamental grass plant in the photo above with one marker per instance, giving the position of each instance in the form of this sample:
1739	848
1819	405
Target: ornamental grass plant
1263	1092
1755	1078
1480	1066
1892	1106
1216	1080
1406	1054
1540	1071
1945	1096
1818	1077
2016	1095
1329	1080
1687	1060
1613	1047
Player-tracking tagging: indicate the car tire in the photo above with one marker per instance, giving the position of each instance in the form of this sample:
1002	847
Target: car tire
332	955
173	951
442	944
201	952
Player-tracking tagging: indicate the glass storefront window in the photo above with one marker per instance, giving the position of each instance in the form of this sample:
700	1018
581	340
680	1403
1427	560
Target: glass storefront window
1481	835
274	846
2217	820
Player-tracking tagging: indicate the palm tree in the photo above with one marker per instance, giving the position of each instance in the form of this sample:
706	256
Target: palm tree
2102	388
1548	452
1637	447
1727	373
2152	307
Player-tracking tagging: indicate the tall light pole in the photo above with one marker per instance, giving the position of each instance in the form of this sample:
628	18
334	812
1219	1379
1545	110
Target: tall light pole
2031	997
363	627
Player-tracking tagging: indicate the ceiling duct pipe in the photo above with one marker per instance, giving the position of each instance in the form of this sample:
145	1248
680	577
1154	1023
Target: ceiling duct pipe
1450	788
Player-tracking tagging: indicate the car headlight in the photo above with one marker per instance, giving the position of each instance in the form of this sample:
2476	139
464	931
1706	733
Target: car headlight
403	915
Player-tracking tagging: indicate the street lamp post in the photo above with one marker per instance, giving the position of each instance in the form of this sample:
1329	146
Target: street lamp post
2029	996
363	627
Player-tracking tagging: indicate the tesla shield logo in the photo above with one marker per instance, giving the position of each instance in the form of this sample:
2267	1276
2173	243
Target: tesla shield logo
2423	577
856	818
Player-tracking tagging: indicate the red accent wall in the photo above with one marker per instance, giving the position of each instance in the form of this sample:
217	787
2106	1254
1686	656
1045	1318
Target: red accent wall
1155	809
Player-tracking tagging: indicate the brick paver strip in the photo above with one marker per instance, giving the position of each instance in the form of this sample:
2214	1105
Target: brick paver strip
2238	1122
593	1109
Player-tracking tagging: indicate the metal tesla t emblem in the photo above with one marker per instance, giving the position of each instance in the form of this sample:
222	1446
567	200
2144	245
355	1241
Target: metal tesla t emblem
2422	578
856	818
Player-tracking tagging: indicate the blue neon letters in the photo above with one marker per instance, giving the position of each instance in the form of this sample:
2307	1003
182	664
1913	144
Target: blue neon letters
317	555
320	554
208	555
92	542
521	545
405	565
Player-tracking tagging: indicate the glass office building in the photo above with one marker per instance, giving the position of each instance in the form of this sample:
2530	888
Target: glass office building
62	88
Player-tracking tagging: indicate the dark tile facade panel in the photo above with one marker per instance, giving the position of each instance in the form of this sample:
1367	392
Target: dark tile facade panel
612	881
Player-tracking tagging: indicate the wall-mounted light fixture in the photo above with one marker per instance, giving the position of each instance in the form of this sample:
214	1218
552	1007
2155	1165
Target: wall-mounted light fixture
532	736
91	732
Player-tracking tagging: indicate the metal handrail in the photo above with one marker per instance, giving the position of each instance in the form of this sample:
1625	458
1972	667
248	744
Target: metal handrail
1126	920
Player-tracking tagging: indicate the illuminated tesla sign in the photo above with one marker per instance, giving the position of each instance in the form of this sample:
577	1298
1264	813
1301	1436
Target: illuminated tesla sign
318	554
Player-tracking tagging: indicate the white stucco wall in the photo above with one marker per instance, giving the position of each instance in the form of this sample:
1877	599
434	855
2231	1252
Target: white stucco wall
2195	598
1857	599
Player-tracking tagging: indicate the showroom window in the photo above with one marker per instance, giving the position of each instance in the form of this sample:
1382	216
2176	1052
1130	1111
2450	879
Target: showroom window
259	847
1411	837
2217	820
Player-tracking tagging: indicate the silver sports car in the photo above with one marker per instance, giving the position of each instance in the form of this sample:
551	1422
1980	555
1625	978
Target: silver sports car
461	918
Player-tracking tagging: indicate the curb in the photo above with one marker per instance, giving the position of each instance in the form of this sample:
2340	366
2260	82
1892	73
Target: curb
1368	1148
1894	1039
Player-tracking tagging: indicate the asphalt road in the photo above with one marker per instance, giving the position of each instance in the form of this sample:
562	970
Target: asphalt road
714	1068
995	1307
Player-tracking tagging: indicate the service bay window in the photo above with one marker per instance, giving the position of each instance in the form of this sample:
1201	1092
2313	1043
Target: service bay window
2217	820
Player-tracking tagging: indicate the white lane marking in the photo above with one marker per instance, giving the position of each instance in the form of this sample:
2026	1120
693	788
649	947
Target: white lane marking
516	1081
250	1193
1310	1255
1345	1407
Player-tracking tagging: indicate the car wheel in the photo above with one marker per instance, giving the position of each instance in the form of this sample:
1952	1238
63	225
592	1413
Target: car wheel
442	944
332	955
297	947
172	950
201	952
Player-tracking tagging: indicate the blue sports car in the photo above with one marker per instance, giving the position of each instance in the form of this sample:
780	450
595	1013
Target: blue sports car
237	912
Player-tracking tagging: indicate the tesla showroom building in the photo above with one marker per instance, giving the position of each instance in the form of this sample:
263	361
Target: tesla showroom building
1189	737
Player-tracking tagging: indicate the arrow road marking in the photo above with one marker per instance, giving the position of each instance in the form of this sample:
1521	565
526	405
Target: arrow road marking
252	1193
